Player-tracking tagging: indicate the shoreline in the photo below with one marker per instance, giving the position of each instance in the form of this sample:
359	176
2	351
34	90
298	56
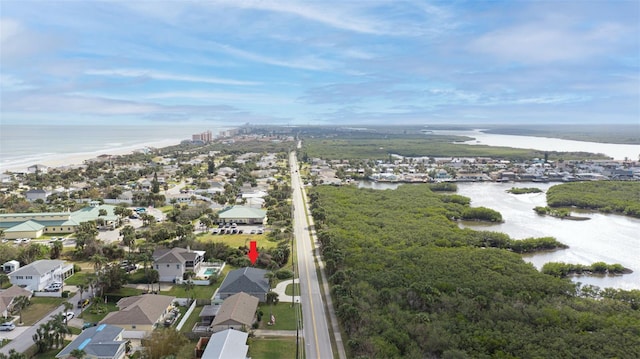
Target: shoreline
59	160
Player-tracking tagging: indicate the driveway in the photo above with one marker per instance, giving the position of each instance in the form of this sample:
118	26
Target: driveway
280	289
23	336
14	333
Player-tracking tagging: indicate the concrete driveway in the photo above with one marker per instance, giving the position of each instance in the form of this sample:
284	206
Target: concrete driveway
14	333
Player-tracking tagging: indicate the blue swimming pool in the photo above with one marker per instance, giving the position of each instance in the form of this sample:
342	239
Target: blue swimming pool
210	271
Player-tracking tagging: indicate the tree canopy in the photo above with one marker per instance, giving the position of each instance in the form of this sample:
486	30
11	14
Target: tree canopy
409	283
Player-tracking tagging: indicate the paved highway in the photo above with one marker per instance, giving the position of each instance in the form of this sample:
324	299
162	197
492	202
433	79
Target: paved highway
315	330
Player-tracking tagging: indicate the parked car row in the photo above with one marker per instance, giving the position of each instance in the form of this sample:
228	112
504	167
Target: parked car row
23	240
227	231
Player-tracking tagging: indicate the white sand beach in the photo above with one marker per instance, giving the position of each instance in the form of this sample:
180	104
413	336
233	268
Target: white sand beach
71	159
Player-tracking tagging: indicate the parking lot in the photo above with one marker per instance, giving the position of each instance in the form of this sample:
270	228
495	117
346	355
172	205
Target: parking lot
232	228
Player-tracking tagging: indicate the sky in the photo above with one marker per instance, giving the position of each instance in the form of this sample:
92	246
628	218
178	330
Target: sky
326	62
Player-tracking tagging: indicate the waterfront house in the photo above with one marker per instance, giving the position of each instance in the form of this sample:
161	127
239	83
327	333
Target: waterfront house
38	169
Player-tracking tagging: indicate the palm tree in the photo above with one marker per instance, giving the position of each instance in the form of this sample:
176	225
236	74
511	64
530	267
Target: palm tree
19	303
152	277
98	261
13	354
189	287
67	307
59	329
128	234
77	353
81	288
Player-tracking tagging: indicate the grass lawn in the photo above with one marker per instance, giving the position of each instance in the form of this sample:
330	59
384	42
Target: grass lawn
126	292
284	313
138	277
85	265
239	240
39	308
92	315
78	278
273	348
51	354
199	291
193	319
290	289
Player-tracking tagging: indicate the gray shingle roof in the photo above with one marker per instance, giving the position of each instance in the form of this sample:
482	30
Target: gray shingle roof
174	255
248	280
97	341
38	267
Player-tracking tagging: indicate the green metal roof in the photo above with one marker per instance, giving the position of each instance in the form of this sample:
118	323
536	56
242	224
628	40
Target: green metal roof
25	227
242	212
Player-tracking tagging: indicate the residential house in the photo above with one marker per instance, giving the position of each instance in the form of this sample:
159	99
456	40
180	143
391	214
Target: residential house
37	275
172	264
36	194
227	344
10	266
252	281
8	296
236	312
242	214
141	312
101	342
38	169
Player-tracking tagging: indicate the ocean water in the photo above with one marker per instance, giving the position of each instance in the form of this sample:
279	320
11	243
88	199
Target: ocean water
23	146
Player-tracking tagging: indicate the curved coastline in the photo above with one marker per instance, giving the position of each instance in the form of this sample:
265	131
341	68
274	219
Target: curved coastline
55	160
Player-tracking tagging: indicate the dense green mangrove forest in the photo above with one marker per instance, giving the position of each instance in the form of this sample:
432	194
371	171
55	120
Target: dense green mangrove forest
606	196
407	282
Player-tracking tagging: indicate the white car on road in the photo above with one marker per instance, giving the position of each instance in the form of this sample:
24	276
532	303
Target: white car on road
7	327
68	315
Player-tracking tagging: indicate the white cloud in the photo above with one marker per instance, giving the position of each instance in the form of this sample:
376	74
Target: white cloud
18	43
545	42
12	83
305	63
328	14
167	76
234	97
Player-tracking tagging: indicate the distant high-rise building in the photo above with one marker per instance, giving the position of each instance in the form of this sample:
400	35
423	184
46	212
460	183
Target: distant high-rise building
205	137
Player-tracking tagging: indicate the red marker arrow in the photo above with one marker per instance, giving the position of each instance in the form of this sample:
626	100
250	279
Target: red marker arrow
253	252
